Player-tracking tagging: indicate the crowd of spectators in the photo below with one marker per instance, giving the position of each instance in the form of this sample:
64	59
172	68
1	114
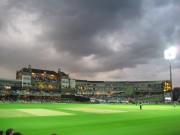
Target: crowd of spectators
146	98
29	100
43	96
39	96
30	92
45	80
10	131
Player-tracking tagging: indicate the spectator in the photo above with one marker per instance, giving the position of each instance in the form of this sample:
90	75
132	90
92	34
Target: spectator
1	132
9	131
17	133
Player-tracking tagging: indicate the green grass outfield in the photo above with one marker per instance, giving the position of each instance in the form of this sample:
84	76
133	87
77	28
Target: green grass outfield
90	119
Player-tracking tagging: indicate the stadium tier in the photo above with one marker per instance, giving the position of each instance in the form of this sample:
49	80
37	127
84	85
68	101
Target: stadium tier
40	85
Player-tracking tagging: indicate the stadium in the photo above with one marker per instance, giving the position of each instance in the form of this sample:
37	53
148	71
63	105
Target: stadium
89	67
45	102
38	85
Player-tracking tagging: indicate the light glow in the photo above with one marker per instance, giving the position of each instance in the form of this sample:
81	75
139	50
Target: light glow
170	53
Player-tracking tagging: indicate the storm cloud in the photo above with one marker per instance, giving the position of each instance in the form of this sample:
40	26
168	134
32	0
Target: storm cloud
91	39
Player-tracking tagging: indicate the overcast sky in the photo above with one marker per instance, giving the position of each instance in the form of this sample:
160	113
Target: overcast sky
106	40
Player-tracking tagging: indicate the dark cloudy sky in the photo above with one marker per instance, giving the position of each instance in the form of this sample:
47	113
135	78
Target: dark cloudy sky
120	40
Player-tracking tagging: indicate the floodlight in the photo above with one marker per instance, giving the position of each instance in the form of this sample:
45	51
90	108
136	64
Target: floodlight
170	53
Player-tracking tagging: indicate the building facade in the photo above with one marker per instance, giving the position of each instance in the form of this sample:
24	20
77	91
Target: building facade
9	89
38	79
119	88
136	90
31	83
10	84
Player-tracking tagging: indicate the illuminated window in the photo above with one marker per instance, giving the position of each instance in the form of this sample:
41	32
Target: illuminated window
40	86
50	86
51	76
33	75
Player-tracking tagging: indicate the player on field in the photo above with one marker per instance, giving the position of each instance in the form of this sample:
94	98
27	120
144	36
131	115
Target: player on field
140	105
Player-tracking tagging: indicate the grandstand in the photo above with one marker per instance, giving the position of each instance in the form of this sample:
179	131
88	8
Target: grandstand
124	91
40	85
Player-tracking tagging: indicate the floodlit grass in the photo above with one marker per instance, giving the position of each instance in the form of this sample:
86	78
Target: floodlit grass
90	119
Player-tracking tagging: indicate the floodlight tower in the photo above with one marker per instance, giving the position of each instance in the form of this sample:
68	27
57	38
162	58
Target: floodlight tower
170	54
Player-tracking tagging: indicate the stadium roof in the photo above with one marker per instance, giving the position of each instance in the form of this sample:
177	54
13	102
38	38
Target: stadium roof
41	71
